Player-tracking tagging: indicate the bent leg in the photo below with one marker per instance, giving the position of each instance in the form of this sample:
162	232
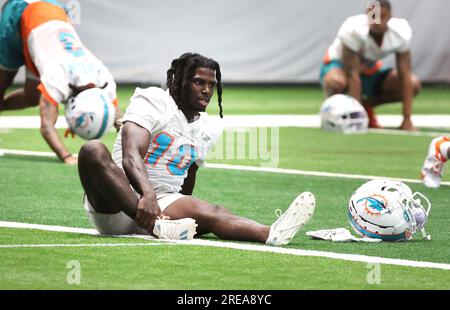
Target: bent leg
390	91
105	184
335	82
217	220
6	79
24	97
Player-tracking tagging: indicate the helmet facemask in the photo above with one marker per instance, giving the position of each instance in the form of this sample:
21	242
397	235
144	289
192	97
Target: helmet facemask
420	207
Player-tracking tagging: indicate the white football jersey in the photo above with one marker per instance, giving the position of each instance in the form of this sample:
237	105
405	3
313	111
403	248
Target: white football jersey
354	33
60	58
175	144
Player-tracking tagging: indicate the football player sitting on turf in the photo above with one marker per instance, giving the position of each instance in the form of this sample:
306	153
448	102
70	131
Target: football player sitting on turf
353	65
58	66
164	139
433	167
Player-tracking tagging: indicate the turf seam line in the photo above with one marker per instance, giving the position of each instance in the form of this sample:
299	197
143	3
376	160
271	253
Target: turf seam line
252	169
252	247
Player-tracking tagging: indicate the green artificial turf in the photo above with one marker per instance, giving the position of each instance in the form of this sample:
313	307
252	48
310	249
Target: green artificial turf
288	100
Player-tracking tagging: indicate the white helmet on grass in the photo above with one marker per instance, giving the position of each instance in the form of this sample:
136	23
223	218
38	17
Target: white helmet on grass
90	114
344	114
388	210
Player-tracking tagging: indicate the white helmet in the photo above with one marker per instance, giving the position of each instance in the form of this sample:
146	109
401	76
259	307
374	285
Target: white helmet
388	210
343	113
386	185
90	114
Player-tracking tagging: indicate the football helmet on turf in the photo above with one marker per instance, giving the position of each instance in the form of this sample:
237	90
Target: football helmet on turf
388	210
344	114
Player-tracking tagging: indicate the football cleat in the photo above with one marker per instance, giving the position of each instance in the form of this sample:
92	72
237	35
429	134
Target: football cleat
182	229
433	167
292	220
373	121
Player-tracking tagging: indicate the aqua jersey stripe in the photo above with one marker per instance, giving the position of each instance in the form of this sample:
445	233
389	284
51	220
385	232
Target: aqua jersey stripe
105	118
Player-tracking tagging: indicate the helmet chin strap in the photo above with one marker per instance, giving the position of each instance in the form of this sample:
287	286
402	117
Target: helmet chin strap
76	90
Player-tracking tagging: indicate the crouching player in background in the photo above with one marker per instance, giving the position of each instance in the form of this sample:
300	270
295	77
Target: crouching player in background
353	63
58	66
164	139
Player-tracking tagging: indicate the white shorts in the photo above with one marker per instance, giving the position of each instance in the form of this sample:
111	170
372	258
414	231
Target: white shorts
120	223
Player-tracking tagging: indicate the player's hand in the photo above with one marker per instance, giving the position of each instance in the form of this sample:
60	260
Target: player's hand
148	211
117	123
71	160
407	125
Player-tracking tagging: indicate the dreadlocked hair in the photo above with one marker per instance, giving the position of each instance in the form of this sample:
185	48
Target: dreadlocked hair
182	70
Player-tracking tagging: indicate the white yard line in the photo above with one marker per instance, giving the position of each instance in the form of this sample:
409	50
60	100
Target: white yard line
410	133
75	230
28	122
312	173
26	153
250	168
332	255
239	121
76	245
241	246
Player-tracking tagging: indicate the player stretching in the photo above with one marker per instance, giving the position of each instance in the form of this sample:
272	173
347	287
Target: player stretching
163	141
353	63
58	66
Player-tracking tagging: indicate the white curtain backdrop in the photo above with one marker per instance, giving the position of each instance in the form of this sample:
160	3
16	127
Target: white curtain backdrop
255	41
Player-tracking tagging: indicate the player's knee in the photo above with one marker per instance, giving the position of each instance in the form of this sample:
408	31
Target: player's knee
32	99
417	85
335	85
93	152
219	214
218	210
211	213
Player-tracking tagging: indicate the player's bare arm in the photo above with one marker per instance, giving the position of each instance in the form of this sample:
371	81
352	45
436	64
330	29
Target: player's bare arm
49	115
404	73
135	142
119	115
189	182
351	68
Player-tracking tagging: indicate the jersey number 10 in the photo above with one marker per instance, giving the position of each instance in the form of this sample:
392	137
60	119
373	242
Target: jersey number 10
180	162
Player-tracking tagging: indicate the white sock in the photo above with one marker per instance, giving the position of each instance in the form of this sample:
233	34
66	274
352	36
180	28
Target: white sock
444	149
